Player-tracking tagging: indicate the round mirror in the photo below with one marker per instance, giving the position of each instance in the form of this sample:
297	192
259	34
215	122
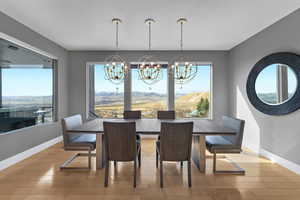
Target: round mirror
272	85
276	84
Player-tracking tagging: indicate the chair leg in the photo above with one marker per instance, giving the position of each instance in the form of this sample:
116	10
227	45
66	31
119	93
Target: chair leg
140	158
67	162
134	174
181	164
161	174
239	171
90	159
115	164
189	173
156	159
106	173
214	162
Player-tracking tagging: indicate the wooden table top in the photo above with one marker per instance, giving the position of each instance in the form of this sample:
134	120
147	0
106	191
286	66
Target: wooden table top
152	126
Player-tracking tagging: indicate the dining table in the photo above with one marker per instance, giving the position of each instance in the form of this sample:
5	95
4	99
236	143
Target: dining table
201	129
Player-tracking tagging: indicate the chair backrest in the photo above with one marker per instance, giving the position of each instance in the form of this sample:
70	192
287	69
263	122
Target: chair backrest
176	141
237	125
166	114
120	141
67	124
132	114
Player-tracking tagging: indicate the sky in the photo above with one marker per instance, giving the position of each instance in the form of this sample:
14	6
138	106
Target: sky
201	83
26	82
266	80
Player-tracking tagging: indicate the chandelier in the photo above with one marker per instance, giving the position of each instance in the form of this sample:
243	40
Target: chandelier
183	70
115	68
149	70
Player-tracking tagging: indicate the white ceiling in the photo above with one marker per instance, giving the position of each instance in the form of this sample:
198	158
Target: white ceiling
86	24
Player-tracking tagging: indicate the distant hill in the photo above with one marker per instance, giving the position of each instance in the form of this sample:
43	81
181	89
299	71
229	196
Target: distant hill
26	100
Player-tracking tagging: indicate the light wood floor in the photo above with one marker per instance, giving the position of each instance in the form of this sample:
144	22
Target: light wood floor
39	177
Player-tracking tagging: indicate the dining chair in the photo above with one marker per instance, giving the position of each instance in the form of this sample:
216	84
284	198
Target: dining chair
227	144
134	114
166	114
77	141
120	145
175	145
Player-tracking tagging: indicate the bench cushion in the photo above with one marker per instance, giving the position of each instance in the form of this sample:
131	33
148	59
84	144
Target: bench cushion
220	144
84	140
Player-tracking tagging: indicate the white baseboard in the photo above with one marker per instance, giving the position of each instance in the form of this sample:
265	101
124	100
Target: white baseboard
281	161
21	156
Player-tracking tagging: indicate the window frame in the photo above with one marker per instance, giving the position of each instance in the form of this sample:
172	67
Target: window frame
54	78
90	95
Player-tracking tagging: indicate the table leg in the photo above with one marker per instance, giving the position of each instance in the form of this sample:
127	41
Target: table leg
202	152
99	159
199	152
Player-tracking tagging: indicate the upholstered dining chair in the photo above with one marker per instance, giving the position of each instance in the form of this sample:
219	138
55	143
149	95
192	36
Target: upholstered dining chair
175	145
120	145
166	114
134	114
227	144
77	141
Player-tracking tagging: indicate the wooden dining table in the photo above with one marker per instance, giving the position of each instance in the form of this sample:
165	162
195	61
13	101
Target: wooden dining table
202	128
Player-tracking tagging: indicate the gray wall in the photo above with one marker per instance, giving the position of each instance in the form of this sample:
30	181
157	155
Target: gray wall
77	76
23	139
277	134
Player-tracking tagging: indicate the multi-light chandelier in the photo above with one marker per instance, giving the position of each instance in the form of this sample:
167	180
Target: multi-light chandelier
183	71
115	67
149	69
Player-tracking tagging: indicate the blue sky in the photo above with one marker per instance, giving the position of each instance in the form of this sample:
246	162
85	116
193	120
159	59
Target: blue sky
266	80
200	83
26	82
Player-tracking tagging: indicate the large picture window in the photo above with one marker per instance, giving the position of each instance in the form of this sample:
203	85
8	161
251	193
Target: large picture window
109	97
192	99
27	87
149	98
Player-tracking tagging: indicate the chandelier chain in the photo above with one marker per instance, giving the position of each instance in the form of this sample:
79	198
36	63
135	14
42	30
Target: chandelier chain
117	35
181	36
149	36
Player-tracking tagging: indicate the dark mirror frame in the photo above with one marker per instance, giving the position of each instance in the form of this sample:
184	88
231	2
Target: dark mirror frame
292	104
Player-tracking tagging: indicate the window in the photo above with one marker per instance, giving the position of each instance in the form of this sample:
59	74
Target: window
149	98
109	97
27	88
192	99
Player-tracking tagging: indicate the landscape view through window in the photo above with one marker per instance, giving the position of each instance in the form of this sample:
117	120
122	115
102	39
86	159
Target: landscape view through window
192	100
149	98
27	97
109	97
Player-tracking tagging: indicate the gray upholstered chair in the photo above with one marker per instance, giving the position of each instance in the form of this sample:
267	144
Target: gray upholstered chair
227	144
175	145
163	114
120	145
134	114
77	141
